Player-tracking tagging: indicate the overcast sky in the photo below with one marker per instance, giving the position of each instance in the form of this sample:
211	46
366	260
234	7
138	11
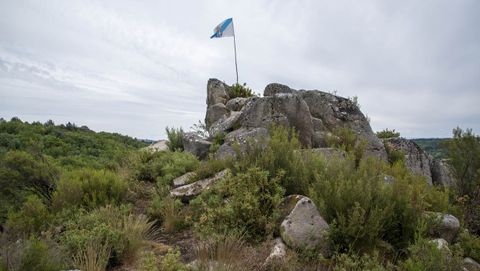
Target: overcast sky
134	67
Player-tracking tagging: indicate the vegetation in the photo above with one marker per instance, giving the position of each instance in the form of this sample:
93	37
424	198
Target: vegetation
175	139
388	134
238	90
433	146
95	200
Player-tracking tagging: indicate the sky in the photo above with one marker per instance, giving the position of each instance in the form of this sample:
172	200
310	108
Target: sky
135	67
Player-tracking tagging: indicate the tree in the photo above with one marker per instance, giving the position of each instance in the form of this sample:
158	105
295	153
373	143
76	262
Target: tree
463	151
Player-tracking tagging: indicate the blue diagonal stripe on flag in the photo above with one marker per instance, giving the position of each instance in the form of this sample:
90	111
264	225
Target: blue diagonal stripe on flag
224	29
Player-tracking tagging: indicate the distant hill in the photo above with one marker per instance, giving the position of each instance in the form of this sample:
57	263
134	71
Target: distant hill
432	146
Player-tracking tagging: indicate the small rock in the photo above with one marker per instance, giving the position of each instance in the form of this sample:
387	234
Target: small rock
441	244
189	191
470	264
182	180
303	227
278	253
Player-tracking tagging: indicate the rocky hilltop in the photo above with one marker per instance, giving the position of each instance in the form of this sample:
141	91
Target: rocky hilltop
314	114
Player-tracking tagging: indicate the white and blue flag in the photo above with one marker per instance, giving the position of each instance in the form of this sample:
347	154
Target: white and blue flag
224	29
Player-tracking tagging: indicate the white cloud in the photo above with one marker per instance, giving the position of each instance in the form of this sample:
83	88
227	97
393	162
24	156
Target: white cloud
138	66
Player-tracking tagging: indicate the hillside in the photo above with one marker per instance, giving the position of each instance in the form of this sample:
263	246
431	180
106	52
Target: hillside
432	146
291	180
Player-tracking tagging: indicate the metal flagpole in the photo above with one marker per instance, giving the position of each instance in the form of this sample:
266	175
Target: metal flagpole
235	50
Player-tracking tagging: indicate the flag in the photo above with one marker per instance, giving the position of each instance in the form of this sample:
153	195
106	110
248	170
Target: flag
224	29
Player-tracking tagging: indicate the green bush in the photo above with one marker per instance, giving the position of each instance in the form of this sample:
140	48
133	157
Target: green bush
171	261
175	139
163	166
471	245
382	214
89	188
280	153
346	139
464	153
388	134
245	204
31	254
121	232
425	256
22	174
37	256
394	156
31	219
346	262
238	90
209	168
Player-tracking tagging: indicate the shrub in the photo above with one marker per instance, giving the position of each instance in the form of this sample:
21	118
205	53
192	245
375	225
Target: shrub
471	245
464	153
171	261
279	154
346	139
175	139
238	90
209	168
381	214
31	254
424	255
162	166
32	217
22	174
115	228
249	208
388	134
89	188
93	258
346	262
394	156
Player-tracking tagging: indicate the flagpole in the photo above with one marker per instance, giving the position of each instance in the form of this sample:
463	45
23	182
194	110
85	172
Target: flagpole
235	51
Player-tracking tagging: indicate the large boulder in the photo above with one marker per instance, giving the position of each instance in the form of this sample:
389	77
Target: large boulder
160	145
444	226
225	124
329	112
189	191
240	137
416	159
442	173
236	104
470	264
281	109
216	92
303	227
275	88
214	113
196	145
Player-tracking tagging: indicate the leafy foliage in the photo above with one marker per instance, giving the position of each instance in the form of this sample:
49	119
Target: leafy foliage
464	153
175	139
89	188
238	90
388	134
250	208
433	146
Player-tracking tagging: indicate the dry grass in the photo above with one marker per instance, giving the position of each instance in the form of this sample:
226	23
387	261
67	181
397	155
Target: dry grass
94	258
230	253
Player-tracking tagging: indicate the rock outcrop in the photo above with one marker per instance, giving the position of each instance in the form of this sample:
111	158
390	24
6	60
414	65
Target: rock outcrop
314	115
160	145
303	227
419	162
470	264
189	191
416	160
